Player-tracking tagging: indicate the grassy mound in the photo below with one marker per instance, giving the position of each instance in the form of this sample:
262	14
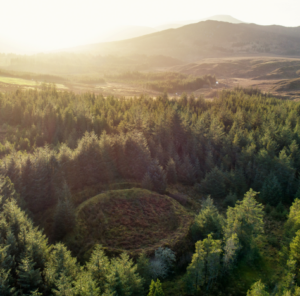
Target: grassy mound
131	219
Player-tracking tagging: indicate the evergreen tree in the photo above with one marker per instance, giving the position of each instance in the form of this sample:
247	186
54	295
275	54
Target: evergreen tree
7	191
144	269
61	270
85	285
186	172
208	221
64	217
271	191
257	289
156	289
158	177
6	288
63	286
214	184
99	267
205	265
246	220
231	249
29	278
147	182
123	278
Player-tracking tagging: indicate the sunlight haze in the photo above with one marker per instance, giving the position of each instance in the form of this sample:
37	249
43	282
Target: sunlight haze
32	26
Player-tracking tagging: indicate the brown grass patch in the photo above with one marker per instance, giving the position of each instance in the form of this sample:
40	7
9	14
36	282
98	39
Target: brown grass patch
132	220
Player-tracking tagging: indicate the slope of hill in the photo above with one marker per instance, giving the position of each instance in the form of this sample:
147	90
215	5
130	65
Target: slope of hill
220	18
206	39
254	68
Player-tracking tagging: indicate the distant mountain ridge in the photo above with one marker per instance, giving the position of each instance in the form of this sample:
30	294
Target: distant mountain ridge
130	32
219	18
206	39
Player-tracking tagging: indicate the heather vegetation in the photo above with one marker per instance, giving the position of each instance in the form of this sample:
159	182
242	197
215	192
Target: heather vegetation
114	196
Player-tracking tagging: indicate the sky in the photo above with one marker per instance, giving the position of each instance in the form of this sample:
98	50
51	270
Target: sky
44	25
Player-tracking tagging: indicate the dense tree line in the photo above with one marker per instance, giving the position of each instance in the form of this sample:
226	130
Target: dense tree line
58	142
238	141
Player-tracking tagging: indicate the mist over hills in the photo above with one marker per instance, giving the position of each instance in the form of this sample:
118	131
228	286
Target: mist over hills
206	39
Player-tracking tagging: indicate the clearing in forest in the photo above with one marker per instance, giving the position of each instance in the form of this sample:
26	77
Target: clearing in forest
131	220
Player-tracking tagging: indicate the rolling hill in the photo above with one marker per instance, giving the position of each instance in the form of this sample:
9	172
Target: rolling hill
206	39
220	18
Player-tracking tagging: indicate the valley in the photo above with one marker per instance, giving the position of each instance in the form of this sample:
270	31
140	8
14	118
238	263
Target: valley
164	164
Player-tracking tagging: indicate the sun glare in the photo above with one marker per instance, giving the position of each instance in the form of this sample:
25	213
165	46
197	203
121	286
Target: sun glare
49	25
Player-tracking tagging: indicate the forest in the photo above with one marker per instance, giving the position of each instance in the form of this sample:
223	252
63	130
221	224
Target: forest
215	183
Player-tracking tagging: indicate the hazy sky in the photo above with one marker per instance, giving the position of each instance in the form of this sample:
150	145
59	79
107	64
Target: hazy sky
53	24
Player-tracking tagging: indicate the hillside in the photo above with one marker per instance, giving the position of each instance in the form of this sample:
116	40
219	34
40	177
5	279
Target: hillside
220	18
206	39
245	67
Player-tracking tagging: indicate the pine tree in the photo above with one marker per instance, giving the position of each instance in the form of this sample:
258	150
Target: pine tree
212	258
64	217
63	286
98	266
257	289
271	191
7	191
186	171
123	278
205	265
6	288
29	278
85	285
61	270
214	184
143	269
156	289
208	221
195	274
231	249
158	177
246	220
147	182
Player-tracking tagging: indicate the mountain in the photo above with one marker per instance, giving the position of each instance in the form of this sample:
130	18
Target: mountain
219	18
223	18
130	32
206	39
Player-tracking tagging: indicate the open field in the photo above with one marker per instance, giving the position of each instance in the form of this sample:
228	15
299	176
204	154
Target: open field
11	82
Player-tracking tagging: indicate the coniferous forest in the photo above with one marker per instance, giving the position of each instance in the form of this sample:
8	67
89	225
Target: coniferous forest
149	196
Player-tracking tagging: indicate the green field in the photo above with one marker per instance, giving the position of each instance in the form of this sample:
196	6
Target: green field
25	82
